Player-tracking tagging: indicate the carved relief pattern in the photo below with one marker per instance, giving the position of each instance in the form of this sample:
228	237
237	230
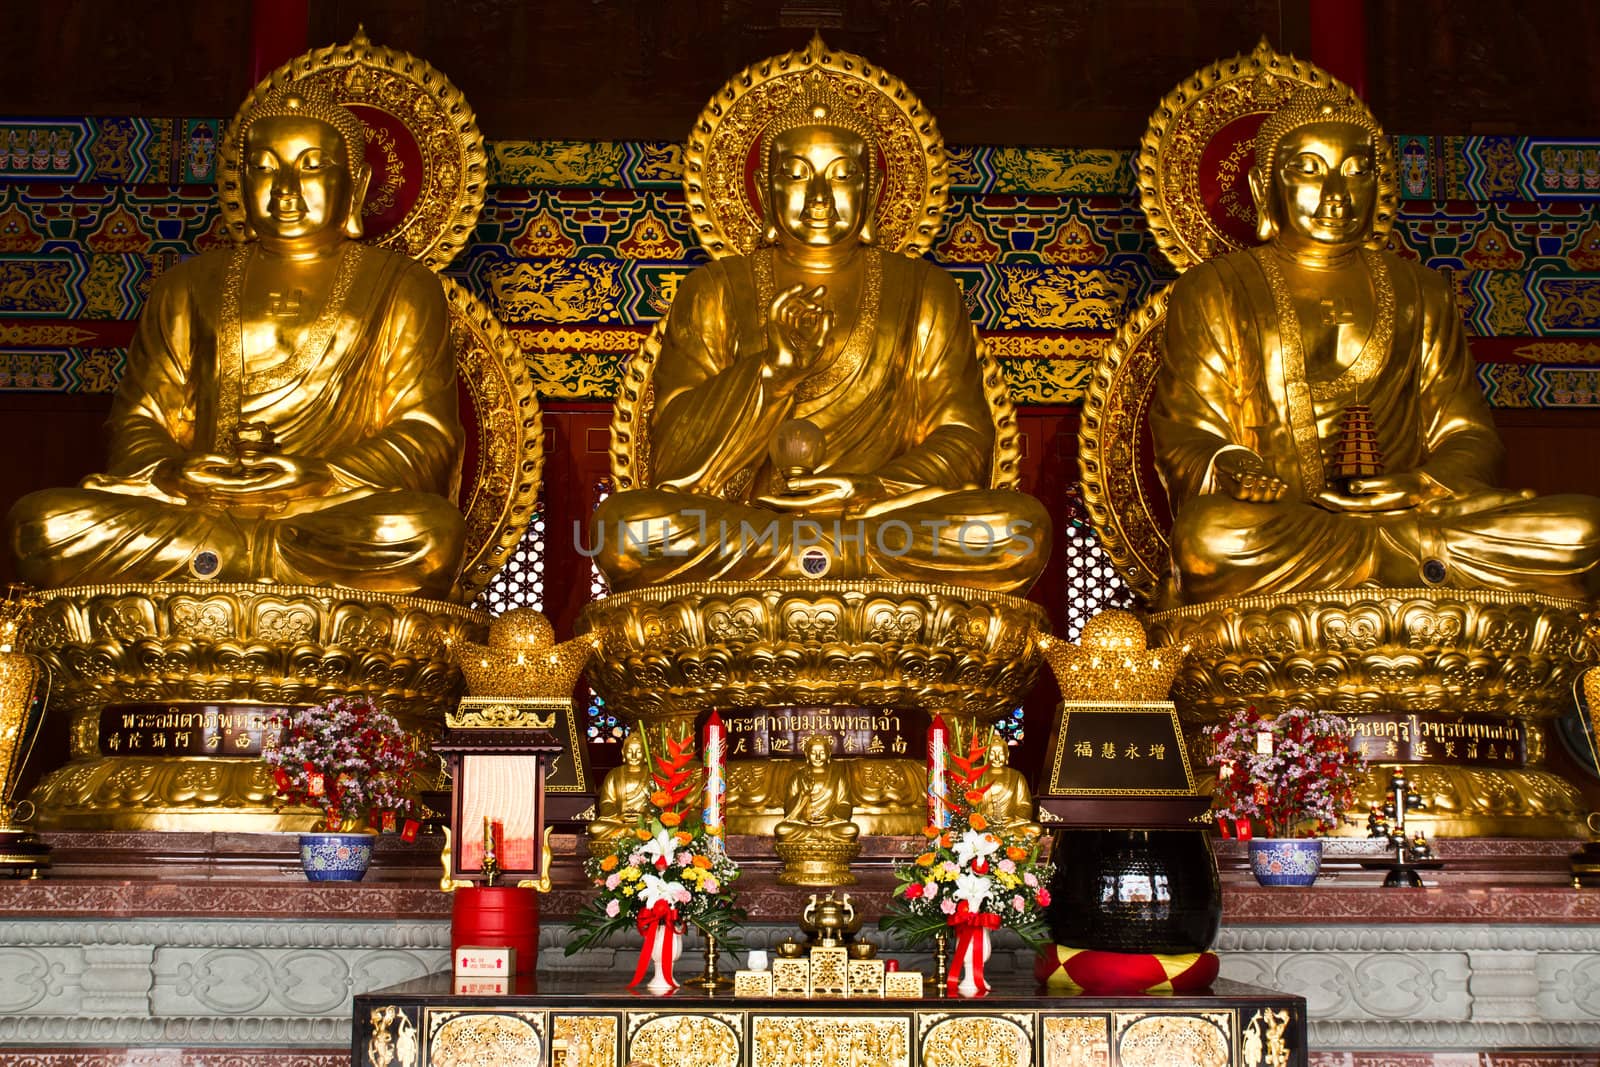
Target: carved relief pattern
968	1041
487	1039
684	1041
820	1041
1082	1041
1150	1040
586	1040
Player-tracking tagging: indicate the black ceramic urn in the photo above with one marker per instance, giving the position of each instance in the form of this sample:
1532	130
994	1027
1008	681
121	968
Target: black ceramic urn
1134	891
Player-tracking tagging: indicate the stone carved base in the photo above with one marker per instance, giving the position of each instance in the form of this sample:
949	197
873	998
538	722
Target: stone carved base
814	862
188	646
1441	653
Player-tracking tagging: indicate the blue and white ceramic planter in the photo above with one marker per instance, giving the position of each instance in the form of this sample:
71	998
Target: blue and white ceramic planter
335	857
1285	860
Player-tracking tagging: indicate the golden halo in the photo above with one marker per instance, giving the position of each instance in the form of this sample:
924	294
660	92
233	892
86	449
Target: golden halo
504	459
428	163
721	163
1199	146
1124	498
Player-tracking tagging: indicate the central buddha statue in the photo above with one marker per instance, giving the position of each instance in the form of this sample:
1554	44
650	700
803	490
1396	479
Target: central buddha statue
289	410
1267	352
859	363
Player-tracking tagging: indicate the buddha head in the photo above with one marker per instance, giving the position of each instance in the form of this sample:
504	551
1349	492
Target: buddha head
633	751
818	751
304	171
999	752
818	166
1315	179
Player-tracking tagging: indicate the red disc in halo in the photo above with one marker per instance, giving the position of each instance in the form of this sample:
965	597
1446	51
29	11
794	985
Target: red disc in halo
397	170
1225	178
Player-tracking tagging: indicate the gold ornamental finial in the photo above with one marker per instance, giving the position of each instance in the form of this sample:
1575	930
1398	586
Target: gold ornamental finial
523	660
1302	109
1112	661
307	101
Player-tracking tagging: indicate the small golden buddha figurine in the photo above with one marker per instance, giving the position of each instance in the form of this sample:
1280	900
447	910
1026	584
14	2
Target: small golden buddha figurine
1266	350
868	361
623	795
1008	802
289	408
816	839
819	804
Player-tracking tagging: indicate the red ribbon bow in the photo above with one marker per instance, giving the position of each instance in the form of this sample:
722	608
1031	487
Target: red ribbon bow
659	925
969	946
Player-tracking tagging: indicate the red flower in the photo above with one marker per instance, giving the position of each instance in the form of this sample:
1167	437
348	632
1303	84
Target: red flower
913	890
1043	897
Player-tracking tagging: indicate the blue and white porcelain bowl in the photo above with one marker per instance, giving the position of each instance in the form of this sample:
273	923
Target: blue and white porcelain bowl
1286	860
335	857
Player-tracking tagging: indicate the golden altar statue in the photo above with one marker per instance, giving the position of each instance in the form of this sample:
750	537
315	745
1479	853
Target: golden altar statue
624	794
816	838
286	517
1441	613
815	461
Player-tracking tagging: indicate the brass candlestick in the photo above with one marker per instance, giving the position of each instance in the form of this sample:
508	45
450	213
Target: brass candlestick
23	685
941	966
491	858
711	978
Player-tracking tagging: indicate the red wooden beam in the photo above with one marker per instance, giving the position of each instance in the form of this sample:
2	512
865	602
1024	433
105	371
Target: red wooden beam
278	31
1339	40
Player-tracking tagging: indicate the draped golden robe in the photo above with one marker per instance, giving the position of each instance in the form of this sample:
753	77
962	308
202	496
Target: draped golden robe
379	406
1226	382
910	410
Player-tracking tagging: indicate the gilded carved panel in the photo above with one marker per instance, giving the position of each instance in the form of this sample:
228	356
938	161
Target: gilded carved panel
1077	1041
977	1041
684	1040
1156	1039
822	1041
583	1041
485	1038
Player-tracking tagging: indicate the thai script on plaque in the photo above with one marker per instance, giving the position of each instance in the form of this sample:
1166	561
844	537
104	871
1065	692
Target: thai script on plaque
1419	737
781	732
187	729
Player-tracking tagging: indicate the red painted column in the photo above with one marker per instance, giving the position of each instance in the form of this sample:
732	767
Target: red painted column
1338	40
278	30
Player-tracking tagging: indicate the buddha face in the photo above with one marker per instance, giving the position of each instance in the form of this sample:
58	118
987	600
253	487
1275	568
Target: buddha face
817	189
1325	184
817	753
633	751
998	753
297	181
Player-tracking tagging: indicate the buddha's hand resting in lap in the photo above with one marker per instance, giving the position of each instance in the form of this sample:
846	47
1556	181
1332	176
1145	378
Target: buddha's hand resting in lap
226	480
1244	475
798	325
828	493
1388	492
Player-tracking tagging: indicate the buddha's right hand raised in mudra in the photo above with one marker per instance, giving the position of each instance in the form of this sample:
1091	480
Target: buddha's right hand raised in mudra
799	323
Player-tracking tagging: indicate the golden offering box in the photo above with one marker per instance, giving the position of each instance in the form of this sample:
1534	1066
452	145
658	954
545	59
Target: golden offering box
791	977
903	985
866	978
830	972
752	983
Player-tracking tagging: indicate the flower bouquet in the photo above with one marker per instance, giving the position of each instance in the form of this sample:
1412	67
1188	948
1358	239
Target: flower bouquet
353	763
669	871
1289	775
974	878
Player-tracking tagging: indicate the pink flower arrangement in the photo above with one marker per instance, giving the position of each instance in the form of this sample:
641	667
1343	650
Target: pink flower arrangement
1290	773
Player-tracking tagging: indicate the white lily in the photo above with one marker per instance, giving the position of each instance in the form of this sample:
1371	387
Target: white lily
972	888
975	846
653	889
660	849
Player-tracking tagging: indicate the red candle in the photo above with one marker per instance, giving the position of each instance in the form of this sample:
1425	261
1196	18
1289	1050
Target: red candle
938	737
714	746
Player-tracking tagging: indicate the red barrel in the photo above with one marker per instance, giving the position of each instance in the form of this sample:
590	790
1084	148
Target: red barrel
497	917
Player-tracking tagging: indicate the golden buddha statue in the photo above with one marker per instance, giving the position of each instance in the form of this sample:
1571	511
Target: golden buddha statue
289	410
1268	348
1007	802
623	795
816	838
820	391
